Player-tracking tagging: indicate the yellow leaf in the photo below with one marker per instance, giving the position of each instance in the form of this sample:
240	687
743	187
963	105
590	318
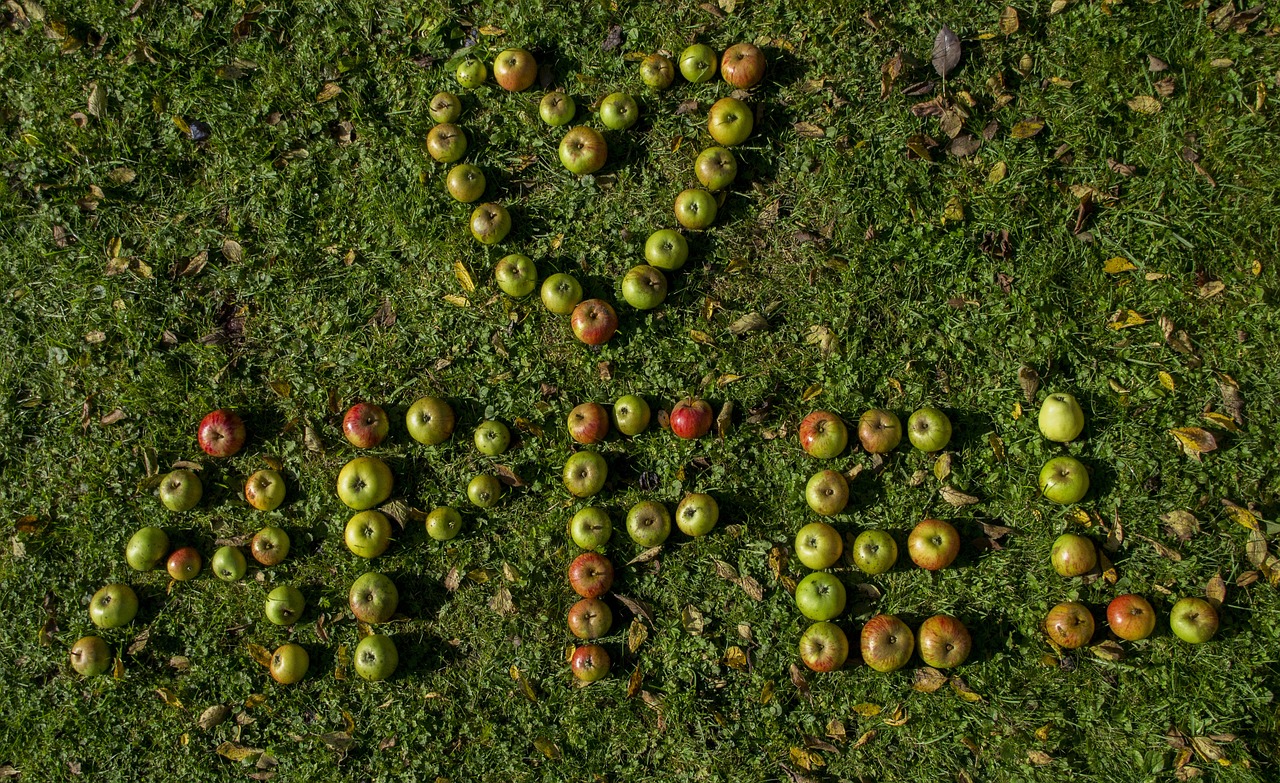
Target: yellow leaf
735	658
1166	380
525	687
899	718
997	446
1225	422
1243	516
636	634
811	392
867	709
927	679
1125	319
864	739
727	379
1042	733
1116	265
330	91
259	654
464	277
457	300
1059	81
255	700
806	759
236	752
634	682
942	467
998	173
701	337
963	690
1009	20
1194	440
953	212
169	697
1256	269
489	29
1017	411
1027	128
1144	104
1212	289
766	692
1108	651
1080	517
1039	758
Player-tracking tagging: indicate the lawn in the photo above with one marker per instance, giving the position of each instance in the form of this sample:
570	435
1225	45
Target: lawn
209	205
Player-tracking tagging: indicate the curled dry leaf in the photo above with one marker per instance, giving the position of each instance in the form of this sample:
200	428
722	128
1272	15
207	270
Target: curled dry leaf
237	752
963	690
1108	651
330	91
502	602
799	681
1161	549
1009	21
647	555
1245	517
1039	758
636	607
453	579
1029	380
750	322
637	634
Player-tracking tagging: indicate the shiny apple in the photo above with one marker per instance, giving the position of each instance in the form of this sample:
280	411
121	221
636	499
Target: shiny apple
365	425
591	528
690	418
695	209
827	492
270	546
289	664
1061	418
490	223
618	111
516	275
887	643
590	663
364	482
265	490
221	433
368	533
666	249
697	514
373	598
944	642
588	423
824	647
561	293
820	596
184	564
591	575
594	321
180	490
730	121
874	552
716	168
929	429
933	544
879	431
146	548
631	414
285	605
1131	617
429	420
698	63
1070	625
823	435
818	545
583	150
590	618
113	606
644	287
1064	480
585	473
466	182
1193	620
742	65
515	70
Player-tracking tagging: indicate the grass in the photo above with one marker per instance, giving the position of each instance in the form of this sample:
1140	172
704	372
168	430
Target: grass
831	225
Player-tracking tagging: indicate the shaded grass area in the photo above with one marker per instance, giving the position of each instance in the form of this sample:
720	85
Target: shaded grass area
830	225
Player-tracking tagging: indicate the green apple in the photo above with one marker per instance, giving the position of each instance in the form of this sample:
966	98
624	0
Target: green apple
471	73
444	107
492	438
585	473
827	492
376	657
618	111
698	63
644	287
730	121
364	482
631	414
265	490
228	563
819	545
591	528
583	150
929	429
429	420
695	209
289	664
820	596
666	249
484	491
1061	418
146	548
490	223
697	514
1193	620
657	72
446	143
284	605
444	523
648	523
716	168
557	109
874	551
113	606
90	656
368	533
517	275
465	182
1064	480
180	490
561	293
374	598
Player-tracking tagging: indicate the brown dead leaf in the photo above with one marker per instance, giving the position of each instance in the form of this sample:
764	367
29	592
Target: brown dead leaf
946	51
1161	549
955	497
1215	592
1009	21
1029	380
1039	758
927	679
1144	104
1194	441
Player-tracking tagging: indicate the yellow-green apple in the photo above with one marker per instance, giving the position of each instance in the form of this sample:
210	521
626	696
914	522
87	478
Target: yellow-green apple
929	429
444	107
364	482
820	596
471	73
146	548
887	643
590	618
514	70
631	414
583	150
368	533
376	657
585	473
429	420
270	546
943	642
690	418
593	321
1193	620
933	544
824	647
446	142
827	492
90	656
484	491
1073	555
228	563
874	551
264	489
289	664
590	528
285	605
373	598
730	121
1131	617
490	223
591	575
716	168
1069	625
590	663
465	182
561	293
113	606
557	108
666	249
184	564
879	431
516	274
695	209
818	545
823	434
492	438
742	65
1061	418
180	490
657	71
648	523
698	63
618	111
1064	480
444	523
221	433
697	513
365	425
644	287
588	423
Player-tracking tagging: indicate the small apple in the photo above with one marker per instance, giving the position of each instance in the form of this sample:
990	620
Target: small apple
827	492
492	438
1193	620
556	109
631	414
690	419
285	605
944	642
90	656
879	431
716	168
270	546
514	70
887	643
588	423
874	551
1064	480
730	121
376	657
517	275
929	429
933	544
365	425
823	435
1070	625
444	107
446	143
742	65
364	482
184	564
590	618
484	491
289	664
585	473
443	523
1061	418
146	548
590	663
590	528
583	150
221	433
368	533
429	421
591	575
180	490
228	563
697	513
666	249
648	523
490	223
644	287
561	293
695	209
657	72
466	182
113	606
698	63
373	598
1073	555
820	596
824	647
593	321
818	545
265	490
1131	617
471	73
618	111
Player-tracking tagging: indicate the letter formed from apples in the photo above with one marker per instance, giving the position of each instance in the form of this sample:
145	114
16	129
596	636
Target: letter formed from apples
823	435
818	546
1064	480
648	523
933	544
585	473
697	514
824	647
593	321
180	490
1069	625
820	596
365	425
887	643
221	433
827	492
430	421
1061	418
690	418
364	482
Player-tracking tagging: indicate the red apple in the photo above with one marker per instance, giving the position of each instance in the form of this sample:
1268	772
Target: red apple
591	575
221	433
823	435
943	642
590	618
887	643
1070	625
184	564
742	65
365	425
515	69
880	431
933	544
588	423
691	418
594	321
590	662
1073	555
1131	617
